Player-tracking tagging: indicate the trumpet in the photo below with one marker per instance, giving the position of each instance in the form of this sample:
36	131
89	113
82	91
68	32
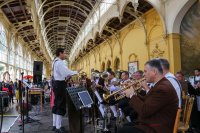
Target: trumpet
117	96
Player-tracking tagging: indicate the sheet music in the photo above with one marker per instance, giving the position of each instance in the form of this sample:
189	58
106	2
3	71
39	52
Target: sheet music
98	96
25	83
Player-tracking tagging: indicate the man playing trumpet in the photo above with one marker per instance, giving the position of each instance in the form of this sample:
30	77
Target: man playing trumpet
157	110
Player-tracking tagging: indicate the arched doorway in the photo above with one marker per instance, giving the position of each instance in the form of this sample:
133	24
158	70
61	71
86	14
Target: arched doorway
117	64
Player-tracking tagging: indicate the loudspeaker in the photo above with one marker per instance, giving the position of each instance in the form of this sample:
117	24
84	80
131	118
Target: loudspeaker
37	67
37	72
37	79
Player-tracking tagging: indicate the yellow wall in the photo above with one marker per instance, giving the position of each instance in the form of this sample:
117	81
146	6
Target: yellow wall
131	44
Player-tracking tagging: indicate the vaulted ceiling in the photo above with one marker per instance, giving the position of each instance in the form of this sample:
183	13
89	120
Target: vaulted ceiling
17	13
64	19
61	21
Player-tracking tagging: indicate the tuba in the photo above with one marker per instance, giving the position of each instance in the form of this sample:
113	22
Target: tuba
137	85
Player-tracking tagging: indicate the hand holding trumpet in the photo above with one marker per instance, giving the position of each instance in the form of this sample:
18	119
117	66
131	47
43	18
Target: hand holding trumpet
130	92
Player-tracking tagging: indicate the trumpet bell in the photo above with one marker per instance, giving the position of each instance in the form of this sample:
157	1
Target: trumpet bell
105	97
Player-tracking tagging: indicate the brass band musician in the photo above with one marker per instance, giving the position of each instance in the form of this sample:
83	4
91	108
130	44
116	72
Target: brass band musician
157	110
100	85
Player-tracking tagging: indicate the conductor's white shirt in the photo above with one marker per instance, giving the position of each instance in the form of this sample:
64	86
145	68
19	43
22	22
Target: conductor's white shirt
60	70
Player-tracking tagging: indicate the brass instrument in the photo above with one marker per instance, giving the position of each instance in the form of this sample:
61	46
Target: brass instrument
136	86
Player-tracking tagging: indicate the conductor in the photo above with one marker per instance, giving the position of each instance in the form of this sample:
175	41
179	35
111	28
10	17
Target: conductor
60	72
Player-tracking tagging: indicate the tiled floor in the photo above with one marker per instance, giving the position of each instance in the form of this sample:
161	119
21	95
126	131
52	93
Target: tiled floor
9	118
44	125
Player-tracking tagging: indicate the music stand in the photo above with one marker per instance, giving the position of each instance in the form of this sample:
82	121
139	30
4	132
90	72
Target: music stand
80	97
76	95
85	98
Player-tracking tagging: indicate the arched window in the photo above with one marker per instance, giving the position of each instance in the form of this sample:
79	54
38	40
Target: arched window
20	54
11	72
3	45
12	53
24	61
28	61
17	56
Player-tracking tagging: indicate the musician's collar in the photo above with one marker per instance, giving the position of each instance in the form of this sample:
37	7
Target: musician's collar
153	84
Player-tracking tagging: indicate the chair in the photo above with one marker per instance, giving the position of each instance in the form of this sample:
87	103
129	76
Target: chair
184	124
176	124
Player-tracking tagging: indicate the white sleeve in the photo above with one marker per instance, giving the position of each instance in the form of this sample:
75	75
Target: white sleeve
114	88
64	71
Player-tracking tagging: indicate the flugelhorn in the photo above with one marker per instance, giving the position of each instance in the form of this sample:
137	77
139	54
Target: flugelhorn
137	84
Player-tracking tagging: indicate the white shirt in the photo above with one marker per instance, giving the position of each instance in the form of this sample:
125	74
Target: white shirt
193	80
197	78
150	85
175	84
97	81
61	71
113	87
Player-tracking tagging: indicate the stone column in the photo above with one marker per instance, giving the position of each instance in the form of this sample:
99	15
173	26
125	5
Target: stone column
173	41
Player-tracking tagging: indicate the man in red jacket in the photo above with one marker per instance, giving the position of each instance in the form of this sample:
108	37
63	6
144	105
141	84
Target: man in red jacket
157	110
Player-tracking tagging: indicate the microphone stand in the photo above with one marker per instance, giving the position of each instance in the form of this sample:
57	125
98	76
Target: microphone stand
21	102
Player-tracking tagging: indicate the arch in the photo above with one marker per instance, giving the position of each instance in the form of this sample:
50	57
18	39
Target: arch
105	24
108	64
5	3
54	27
63	3
132	55
151	31
3	44
138	17
54	35
105	40
57	20
95	36
103	66
43	4
179	16
159	7
25	25
88	43
117	64
112	33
